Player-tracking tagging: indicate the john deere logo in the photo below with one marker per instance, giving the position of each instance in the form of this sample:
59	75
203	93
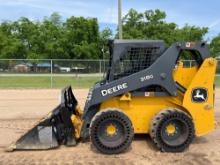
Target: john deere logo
199	95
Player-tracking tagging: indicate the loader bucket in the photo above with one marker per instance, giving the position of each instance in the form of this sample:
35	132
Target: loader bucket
54	129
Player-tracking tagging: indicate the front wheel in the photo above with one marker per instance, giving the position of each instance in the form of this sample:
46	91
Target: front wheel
172	130
111	131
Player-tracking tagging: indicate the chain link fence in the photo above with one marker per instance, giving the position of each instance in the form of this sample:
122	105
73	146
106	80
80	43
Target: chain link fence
36	73
55	66
56	73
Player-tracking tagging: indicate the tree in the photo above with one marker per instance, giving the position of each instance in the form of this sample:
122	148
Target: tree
52	38
215	46
55	19
104	37
81	37
10	47
152	25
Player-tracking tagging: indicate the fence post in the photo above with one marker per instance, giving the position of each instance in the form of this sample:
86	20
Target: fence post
51	73
104	69
100	66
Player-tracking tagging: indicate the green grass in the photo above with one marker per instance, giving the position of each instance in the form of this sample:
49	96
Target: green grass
217	81
45	82
7	82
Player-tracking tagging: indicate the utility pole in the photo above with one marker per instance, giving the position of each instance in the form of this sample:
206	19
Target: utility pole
120	19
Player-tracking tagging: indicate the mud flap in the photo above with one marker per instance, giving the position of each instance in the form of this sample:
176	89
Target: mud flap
54	129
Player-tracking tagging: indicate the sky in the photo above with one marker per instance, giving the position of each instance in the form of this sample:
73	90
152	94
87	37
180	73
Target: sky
200	12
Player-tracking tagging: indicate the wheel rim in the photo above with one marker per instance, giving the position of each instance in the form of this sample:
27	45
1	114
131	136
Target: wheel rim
111	130
171	129
174	132
111	133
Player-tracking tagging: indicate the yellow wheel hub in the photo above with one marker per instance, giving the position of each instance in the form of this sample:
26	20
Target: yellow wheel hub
111	130
170	129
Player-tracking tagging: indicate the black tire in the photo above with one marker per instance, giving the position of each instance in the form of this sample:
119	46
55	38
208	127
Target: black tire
114	143
176	139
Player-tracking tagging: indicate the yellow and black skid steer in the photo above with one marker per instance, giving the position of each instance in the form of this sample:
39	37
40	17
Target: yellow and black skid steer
148	89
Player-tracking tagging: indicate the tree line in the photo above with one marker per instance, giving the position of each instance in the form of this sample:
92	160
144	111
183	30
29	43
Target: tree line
80	38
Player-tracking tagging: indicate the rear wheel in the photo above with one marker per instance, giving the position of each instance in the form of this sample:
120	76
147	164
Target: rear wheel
172	130
111	131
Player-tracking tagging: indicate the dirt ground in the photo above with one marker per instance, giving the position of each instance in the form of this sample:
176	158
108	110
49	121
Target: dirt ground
20	109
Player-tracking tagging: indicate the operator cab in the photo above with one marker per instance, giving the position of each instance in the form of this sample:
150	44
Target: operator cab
131	56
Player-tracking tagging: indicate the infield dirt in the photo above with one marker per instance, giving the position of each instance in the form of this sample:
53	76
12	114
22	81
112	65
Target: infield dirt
20	109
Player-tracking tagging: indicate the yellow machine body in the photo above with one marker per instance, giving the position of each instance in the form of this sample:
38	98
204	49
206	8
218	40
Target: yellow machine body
146	91
142	109
132	100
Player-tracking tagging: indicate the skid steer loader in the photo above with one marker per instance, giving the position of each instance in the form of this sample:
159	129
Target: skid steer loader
147	90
